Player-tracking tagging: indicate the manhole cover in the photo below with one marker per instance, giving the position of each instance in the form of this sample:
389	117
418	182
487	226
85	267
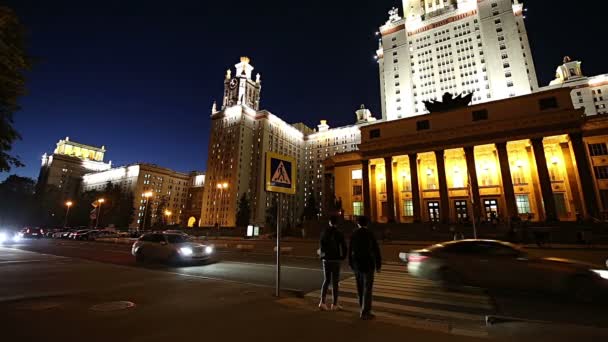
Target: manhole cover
113	306
38	306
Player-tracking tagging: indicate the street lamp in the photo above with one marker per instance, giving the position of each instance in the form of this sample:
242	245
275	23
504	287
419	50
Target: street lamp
68	205
99	202
168	214
147	195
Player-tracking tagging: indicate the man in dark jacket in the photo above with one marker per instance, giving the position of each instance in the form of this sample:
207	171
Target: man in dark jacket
333	252
364	259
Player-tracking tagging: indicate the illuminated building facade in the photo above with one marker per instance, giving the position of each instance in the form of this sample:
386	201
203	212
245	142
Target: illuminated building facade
191	214
240	136
168	188
455	46
533	156
590	93
64	168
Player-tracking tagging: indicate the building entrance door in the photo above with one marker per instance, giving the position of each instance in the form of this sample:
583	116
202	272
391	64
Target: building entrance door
491	208
433	210
384	212
462	214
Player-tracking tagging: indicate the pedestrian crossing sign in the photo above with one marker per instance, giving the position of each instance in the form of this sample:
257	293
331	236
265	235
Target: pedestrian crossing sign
280	173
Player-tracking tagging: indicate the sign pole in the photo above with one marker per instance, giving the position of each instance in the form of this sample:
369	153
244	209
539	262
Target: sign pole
278	272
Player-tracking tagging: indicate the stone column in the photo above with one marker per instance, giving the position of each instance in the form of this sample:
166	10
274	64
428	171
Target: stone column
396	194
374	205
390	191
507	180
573	180
443	187
544	179
367	211
535	185
585	175
469	153
415	187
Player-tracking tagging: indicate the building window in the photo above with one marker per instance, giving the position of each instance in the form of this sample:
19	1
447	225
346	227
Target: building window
358	208
408	208
548	103
374	133
560	204
598	150
523	204
479	115
601	172
357	190
423	125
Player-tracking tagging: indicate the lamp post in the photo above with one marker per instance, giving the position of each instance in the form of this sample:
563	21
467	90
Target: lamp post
221	186
168	214
147	195
68	205
99	202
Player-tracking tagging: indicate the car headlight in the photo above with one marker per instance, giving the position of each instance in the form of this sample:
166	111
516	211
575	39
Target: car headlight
186	251
17	237
3	237
208	250
602	273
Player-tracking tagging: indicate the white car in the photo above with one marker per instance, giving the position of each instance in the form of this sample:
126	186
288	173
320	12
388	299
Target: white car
170	247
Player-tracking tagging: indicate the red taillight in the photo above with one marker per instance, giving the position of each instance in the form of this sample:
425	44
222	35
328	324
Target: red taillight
416	258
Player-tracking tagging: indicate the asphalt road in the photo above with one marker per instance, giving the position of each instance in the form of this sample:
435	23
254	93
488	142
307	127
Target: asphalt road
30	279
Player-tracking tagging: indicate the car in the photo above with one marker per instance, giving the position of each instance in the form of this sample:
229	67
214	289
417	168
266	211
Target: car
31	233
500	265
8	237
105	234
88	235
77	235
170	247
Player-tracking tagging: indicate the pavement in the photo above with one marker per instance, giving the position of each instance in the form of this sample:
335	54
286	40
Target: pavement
56	285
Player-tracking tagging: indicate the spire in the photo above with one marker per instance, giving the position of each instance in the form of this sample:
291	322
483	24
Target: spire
214	107
244	68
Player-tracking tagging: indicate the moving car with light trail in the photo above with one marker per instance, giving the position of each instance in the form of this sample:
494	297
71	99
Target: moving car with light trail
501	265
170	247
7	237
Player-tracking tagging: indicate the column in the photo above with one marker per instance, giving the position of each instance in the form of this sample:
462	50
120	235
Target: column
507	180
390	191
585	175
545	180
443	187
396	194
374	204
574	182
329	197
415	187
367	209
469	153
538	198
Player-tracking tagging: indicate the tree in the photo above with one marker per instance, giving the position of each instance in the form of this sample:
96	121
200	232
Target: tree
16	201
159	213
310	209
13	64
244	212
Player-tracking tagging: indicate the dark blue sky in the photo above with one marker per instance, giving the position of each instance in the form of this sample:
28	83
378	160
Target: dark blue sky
140	76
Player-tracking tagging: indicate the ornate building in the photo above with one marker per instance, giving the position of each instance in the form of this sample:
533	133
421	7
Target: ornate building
530	156
240	136
456	46
590	93
63	170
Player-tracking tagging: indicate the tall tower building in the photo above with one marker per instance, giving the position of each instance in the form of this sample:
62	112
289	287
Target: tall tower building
455	46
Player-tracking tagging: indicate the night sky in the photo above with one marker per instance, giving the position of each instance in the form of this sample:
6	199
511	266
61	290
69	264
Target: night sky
140	76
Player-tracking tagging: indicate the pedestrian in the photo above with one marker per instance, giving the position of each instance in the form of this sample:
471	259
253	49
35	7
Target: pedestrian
364	259
333	252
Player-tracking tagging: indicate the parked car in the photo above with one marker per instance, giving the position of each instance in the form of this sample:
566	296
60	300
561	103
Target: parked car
31	233
170	247
105	234
77	235
496	264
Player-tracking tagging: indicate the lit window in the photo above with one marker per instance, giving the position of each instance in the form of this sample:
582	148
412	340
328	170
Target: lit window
358	208
357	174
523	204
408	208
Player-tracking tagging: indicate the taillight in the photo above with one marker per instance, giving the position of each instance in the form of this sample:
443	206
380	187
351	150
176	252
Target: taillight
416	258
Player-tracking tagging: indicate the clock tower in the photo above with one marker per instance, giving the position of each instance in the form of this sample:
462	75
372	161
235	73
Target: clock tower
241	89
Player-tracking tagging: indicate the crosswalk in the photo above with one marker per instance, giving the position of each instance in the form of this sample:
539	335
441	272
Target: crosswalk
396	292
